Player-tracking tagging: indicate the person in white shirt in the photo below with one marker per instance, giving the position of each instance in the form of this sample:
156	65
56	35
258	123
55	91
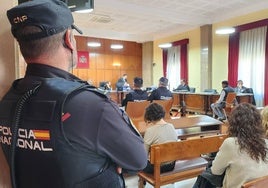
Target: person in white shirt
158	131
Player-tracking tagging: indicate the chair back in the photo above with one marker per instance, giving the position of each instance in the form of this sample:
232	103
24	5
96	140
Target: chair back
231	99
257	183
230	103
250	90
166	104
136	109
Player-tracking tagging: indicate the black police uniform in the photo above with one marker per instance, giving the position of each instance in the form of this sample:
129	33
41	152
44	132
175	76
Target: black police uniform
161	93
68	134
135	95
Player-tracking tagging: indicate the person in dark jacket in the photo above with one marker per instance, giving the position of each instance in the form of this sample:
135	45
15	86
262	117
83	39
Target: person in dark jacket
161	93
57	130
137	94
183	86
122	84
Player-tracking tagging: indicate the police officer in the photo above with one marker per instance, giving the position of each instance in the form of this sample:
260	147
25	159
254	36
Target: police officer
56	130
161	93
137	94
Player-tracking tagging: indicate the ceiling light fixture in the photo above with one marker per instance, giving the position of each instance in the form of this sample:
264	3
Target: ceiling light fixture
116	46
225	31
93	44
166	45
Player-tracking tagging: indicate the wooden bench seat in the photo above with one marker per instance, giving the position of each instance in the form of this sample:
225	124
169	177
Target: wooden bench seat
186	153
196	165
261	182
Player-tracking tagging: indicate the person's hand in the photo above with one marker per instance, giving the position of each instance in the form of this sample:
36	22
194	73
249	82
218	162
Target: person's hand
119	170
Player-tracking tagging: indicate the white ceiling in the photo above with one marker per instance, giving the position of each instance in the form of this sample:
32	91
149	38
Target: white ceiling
148	20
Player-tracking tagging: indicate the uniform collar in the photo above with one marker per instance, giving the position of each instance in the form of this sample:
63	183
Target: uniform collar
46	71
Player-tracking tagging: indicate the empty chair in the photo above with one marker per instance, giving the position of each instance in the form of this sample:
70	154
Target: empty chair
167	104
136	109
230	103
250	90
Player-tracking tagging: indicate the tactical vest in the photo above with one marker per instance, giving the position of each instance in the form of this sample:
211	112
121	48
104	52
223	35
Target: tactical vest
44	157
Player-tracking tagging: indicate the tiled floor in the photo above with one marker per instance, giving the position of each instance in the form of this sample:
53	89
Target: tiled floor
132	182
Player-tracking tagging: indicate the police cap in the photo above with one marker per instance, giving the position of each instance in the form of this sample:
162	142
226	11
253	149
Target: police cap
51	16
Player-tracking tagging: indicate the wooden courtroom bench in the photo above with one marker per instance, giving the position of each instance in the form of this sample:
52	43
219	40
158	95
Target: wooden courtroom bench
186	153
261	182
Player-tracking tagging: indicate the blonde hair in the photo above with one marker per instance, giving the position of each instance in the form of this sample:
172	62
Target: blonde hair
264	114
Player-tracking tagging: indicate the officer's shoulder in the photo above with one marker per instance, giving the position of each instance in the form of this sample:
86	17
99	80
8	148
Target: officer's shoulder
97	91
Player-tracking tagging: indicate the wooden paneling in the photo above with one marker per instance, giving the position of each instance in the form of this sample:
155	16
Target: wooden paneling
107	64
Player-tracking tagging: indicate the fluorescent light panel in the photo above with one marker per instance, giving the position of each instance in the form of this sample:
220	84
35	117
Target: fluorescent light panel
116	46
166	45
94	44
225	31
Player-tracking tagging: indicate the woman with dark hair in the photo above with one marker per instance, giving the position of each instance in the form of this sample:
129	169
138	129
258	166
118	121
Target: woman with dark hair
243	156
159	131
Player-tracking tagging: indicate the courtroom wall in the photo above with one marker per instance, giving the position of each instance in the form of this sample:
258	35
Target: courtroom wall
219	51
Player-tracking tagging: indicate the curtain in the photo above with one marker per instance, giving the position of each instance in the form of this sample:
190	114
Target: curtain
266	72
234	55
164	54
233	58
173	66
251	63
182	61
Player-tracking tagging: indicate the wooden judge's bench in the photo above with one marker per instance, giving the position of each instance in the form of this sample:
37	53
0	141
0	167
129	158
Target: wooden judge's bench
200	102
194	102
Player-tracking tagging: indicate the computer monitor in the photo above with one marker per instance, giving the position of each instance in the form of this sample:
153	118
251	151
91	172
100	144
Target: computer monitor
74	5
213	91
78	5
102	84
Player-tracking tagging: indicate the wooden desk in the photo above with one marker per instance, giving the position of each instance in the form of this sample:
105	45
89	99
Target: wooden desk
189	126
200	102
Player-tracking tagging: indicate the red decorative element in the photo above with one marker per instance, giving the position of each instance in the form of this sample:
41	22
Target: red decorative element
83	60
65	116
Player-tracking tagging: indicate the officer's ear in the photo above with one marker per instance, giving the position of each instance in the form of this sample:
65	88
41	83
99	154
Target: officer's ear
68	40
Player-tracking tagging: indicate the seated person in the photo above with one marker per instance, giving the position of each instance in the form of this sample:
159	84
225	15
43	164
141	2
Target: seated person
240	88
158	132
183	86
108	86
161	93
243	155
220	103
104	85
137	94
